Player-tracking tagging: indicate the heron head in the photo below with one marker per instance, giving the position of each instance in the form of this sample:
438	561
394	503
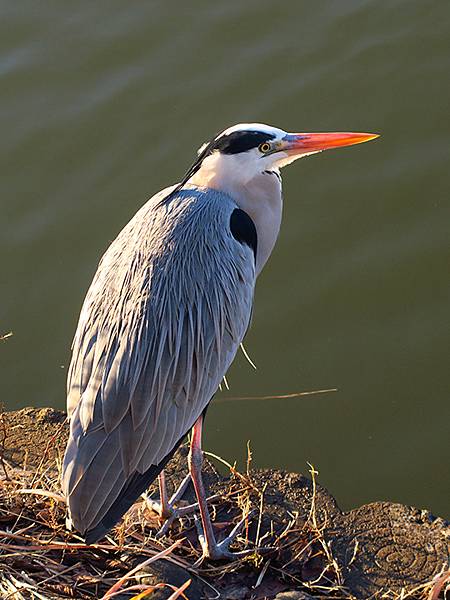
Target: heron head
247	150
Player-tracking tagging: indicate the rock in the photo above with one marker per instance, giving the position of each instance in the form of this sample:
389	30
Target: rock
164	571
236	592
383	547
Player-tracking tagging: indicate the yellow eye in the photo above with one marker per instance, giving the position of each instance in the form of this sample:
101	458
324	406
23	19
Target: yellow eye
264	147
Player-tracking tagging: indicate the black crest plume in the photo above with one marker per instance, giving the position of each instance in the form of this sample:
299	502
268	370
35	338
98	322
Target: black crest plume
232	143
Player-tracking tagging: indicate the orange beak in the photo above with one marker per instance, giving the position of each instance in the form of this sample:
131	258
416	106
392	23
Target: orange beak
303	143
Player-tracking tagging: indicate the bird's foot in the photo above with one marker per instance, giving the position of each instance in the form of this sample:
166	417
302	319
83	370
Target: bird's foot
166	510
214	550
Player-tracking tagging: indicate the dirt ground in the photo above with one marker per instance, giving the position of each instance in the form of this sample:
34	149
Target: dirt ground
380	550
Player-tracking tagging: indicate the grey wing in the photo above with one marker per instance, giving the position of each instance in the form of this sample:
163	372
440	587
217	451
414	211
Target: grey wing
160	326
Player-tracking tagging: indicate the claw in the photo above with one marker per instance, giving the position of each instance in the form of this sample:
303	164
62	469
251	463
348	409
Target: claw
220	550
178	494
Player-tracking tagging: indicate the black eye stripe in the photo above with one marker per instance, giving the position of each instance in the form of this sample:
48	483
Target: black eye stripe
241	141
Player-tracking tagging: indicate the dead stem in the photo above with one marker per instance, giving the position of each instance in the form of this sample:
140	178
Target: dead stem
40	559
276	396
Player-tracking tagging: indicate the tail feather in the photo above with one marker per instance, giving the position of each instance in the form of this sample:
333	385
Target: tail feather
133	488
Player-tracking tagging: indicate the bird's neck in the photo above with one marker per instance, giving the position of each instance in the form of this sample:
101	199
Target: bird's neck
260	197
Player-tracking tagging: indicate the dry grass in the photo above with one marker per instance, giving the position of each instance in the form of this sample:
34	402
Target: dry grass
40	559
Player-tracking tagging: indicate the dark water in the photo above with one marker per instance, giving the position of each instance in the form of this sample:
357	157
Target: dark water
104	103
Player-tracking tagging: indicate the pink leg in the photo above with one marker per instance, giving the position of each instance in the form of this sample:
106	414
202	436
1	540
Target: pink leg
211	549
166	509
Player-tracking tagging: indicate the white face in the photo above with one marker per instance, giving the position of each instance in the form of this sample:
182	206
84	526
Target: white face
245	151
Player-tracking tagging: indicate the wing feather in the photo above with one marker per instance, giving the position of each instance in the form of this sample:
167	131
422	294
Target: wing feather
161	323
103	486
106	492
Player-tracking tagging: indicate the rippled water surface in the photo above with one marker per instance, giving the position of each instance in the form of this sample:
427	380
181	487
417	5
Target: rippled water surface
104	103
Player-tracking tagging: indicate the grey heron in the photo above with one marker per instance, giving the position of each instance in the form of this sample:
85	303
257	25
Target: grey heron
164	317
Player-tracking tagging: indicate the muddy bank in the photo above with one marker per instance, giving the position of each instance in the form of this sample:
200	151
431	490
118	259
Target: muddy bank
380	550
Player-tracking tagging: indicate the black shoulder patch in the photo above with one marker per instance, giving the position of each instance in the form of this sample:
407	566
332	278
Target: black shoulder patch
243	229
